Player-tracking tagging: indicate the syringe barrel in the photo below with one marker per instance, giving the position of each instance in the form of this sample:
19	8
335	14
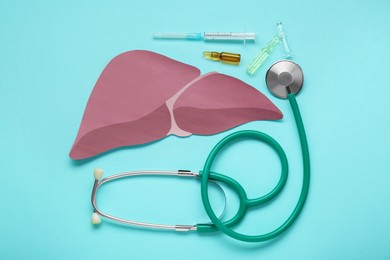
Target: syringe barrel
229	36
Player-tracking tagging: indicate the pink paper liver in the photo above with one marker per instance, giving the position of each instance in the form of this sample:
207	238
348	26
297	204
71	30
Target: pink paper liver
143	96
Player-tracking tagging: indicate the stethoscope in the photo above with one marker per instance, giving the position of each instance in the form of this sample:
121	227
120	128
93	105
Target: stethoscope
284	79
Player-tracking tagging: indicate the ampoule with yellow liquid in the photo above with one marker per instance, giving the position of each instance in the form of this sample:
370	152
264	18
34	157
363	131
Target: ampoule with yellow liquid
225	57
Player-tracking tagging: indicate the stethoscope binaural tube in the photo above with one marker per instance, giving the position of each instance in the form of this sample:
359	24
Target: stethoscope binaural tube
305	157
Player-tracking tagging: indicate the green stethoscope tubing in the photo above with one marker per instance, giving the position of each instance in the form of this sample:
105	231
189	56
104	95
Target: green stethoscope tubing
246	203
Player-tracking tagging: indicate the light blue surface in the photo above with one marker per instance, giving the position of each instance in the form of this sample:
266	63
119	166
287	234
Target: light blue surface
52	53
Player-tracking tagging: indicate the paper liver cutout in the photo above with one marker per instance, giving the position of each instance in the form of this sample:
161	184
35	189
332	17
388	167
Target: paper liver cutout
143	96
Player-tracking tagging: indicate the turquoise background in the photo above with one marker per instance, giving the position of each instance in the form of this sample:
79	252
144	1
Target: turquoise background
51	54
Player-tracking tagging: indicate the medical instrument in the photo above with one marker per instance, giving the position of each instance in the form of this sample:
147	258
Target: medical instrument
209	36
262	56
287	53
287	74
225	57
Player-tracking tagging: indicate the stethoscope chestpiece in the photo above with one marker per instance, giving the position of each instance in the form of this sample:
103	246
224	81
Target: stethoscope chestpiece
284	77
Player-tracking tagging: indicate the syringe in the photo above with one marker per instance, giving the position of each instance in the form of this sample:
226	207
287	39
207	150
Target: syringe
209	36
